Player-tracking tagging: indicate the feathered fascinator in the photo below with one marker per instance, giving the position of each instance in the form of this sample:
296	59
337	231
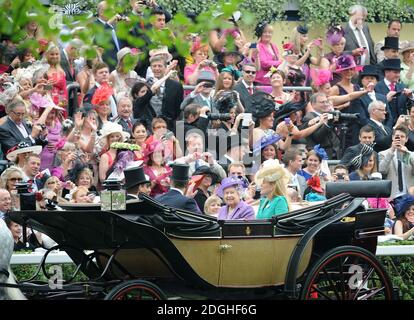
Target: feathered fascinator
123	158
103	93
311	197
38	101
402	204
363	157
320	76
320	152
9	93
38	67
334	35
197	45
272	173
314	183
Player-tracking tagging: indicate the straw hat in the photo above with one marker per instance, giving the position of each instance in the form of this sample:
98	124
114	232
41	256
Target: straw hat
111	127
407	45
20	148
161	50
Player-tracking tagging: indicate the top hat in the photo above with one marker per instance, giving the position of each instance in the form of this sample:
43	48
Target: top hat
391	43
391	64
180	172
134	177
369	70
206	76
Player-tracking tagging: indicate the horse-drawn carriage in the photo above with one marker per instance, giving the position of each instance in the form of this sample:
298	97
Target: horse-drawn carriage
326	251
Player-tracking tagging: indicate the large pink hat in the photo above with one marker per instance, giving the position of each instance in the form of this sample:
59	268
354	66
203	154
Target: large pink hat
345	62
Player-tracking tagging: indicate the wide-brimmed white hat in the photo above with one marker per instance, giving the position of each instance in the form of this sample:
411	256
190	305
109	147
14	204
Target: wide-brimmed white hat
111	127
20	148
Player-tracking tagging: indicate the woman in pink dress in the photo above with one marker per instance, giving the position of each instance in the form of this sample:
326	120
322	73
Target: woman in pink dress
267	54
156	168
199	53
56	76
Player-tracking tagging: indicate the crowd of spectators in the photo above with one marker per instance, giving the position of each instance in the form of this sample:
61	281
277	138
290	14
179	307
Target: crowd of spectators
236	145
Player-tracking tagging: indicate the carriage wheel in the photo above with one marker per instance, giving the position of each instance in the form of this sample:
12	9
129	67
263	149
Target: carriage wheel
347	273
136	290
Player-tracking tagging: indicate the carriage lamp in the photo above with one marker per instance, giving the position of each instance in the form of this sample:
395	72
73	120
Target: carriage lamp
26	197
113	197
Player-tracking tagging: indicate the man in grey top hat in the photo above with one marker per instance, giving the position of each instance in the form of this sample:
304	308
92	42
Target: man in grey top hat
201	94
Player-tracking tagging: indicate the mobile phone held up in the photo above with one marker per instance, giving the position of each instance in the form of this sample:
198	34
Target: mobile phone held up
287	121
253	45
247	118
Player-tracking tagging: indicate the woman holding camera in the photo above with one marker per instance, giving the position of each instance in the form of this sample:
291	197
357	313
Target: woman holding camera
199	53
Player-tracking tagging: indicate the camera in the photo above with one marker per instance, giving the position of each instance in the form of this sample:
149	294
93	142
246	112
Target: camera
225	101
219	116
340	176
344	116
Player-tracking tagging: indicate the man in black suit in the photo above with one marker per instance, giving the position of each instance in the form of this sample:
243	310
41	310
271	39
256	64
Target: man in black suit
109	25
125	118
68	55
136	181
14	130
176	197
358	37
391	51
377	113
245	87
368	77
399	96
168	98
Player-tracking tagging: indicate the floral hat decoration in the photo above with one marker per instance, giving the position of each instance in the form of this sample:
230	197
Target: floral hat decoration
103	93
345	62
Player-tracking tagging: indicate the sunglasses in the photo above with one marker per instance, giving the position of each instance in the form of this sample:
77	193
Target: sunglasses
250	72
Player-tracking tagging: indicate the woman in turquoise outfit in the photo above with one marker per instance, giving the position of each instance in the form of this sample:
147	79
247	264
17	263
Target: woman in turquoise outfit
272	179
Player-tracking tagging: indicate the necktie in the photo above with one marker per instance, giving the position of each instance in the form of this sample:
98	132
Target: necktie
250	90
392	86
383	129
114	37
400	177
362	42
197	165
129	124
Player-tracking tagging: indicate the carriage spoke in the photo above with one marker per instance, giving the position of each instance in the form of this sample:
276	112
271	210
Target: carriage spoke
332	283
317	290
366	296
369	273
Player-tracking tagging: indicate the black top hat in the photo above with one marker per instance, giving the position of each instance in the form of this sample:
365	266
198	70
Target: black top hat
369	70
391	64
391	43
180	172
262	104
134	177
206	170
